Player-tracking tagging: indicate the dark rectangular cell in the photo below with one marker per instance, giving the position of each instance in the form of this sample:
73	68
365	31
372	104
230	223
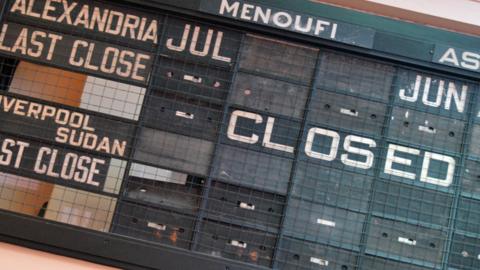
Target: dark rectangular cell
355	75
331	186
193	79
394	239
252	169
471	178
278	58
418	204
263	133
376	263
468	215
154	225
236	243
244	206
433	94
323	224
197	42
426	129
7	70
173	151
269	96
465	253
181	197
347	113
302	255
184	115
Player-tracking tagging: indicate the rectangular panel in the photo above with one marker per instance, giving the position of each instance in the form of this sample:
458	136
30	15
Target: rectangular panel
265	15
465	254
244	206
323	224
450	56
53	164
471	178
154	225
278	58
253	169
157	174
192	79
434	94
185	154
79	208
184	198
375	263
355	75
346	112
202	43
297	255
263	133
332	187
66	125
82	55
397	200
269	96
426	129
113	98
183	115
236	243
468	215
474	146
87	17
400	240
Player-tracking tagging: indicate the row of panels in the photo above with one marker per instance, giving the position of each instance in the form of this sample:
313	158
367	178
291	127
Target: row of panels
187	115
237	208
392	240
215	46
248	155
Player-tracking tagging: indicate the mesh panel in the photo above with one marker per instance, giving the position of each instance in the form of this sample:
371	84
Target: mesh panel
242	146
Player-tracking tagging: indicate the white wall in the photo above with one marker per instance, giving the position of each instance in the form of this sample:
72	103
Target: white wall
466	11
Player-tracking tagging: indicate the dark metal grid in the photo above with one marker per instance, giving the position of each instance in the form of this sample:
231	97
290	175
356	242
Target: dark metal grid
456	192
302	133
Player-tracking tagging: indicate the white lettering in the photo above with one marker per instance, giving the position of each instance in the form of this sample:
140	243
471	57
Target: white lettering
333	147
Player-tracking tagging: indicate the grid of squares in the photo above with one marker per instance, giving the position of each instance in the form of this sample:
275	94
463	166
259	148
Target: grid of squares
260	150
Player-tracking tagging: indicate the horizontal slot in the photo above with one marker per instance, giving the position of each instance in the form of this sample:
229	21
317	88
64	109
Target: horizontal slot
247	206
407	241
191	78
237	243
350	112
319	261
157	226
326	222
184	115
426	129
